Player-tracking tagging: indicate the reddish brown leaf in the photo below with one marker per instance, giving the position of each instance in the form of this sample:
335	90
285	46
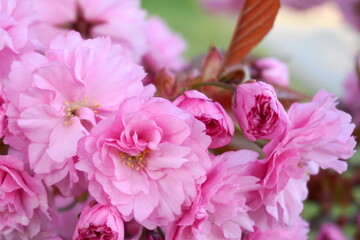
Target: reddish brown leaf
255	21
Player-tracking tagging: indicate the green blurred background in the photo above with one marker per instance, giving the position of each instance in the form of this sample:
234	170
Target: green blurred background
200	28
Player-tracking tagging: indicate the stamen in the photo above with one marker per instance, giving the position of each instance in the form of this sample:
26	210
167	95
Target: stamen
72	107
136	162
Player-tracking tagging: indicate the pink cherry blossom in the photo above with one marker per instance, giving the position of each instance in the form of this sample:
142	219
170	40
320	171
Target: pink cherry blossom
219	125
303	4
15	18
329	231
223	5
350	12
270	70
123	21
258	111
58	99
319	135
147	161
220	210
350	97
297	232
99	222
165	47
321	132
22	200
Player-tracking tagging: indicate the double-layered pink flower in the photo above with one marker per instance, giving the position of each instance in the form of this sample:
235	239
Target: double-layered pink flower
298	232
258	111
22	199
318	135
165	48
147	161
219	125
321	133
97	221
220	211
57	98
123	21
16	16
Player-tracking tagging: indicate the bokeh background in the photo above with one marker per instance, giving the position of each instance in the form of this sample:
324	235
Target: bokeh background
319	48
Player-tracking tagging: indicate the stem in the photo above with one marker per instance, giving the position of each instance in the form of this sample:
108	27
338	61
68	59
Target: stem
214	84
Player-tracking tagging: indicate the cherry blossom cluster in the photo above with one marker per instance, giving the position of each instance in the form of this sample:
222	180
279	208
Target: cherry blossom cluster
91	151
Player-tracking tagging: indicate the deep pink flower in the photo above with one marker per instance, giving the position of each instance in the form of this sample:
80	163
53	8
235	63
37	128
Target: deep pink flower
99	222
15	18
22	199
165	48
219	125
297	232
258	111
147	161
57	99
270	70
220	210
329	231
123	21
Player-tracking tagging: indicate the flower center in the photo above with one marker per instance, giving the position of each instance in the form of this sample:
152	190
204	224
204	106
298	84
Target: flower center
97	232
72	107
136	162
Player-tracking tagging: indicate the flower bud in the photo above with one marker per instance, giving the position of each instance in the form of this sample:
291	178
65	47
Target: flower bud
219	125
258	111
98	221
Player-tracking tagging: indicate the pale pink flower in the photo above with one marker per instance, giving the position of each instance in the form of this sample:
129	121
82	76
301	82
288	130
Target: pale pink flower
165	47
298	232
321	133
270	70
123	21
287	204
329	231
303	4
15	18
22	199
258	111
219	125
99	222
147	161
350	98
57	100
220	210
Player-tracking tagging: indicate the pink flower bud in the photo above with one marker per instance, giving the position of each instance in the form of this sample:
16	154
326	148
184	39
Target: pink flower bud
219	125
258	111
97	220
